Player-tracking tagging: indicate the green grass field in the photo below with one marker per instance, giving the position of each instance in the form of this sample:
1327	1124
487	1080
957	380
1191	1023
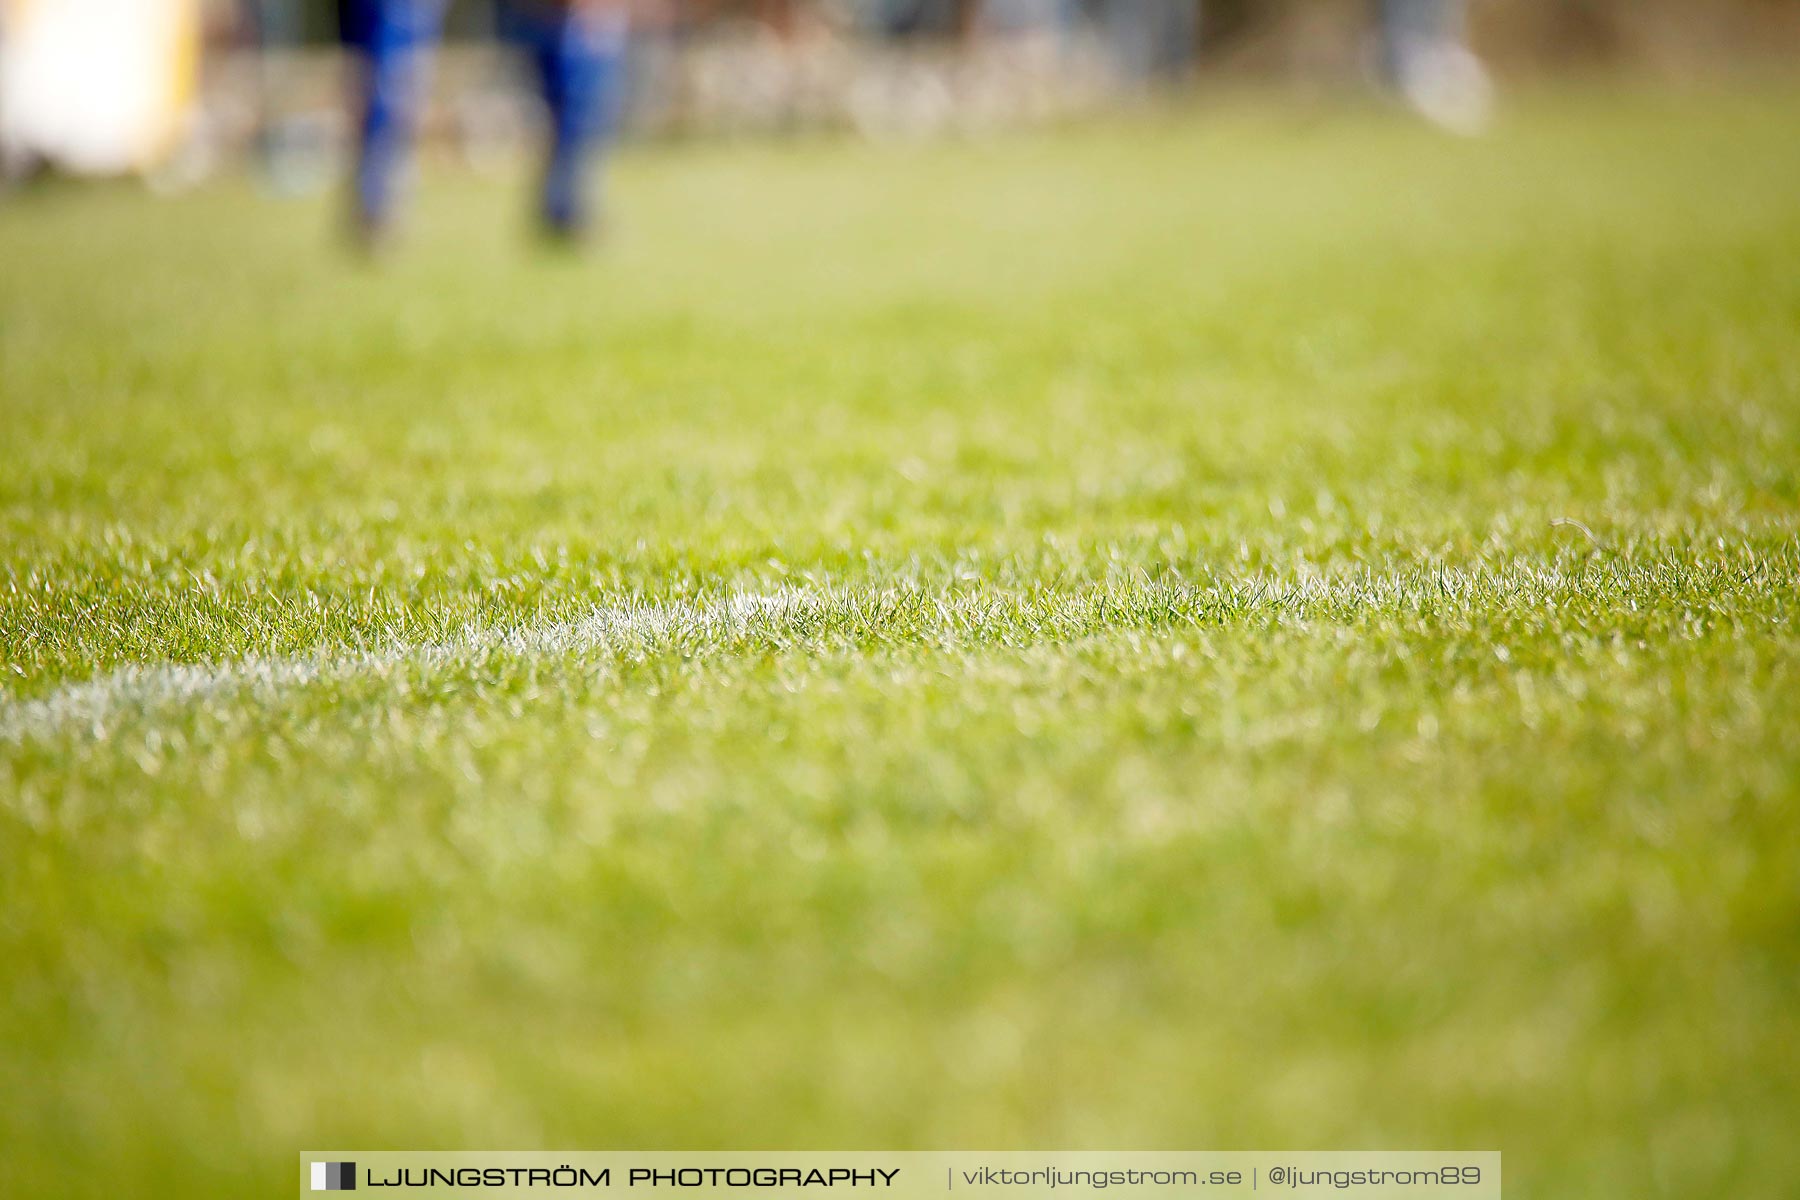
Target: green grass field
1072	641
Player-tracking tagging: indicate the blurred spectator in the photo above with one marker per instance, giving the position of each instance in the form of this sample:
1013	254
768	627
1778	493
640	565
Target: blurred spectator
1150	39
1425	55
1424	50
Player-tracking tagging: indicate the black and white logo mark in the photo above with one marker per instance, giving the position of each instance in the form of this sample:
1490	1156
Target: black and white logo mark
334	1177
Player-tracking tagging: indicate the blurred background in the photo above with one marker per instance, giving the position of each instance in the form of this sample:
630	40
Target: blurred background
176	89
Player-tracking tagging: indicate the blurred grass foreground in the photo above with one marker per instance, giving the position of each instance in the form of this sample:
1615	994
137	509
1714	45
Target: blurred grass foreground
1241	626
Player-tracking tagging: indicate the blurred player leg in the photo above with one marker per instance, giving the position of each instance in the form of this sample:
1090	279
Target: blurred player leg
392	41
577	48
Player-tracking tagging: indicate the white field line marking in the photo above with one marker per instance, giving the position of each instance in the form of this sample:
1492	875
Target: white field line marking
95	704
